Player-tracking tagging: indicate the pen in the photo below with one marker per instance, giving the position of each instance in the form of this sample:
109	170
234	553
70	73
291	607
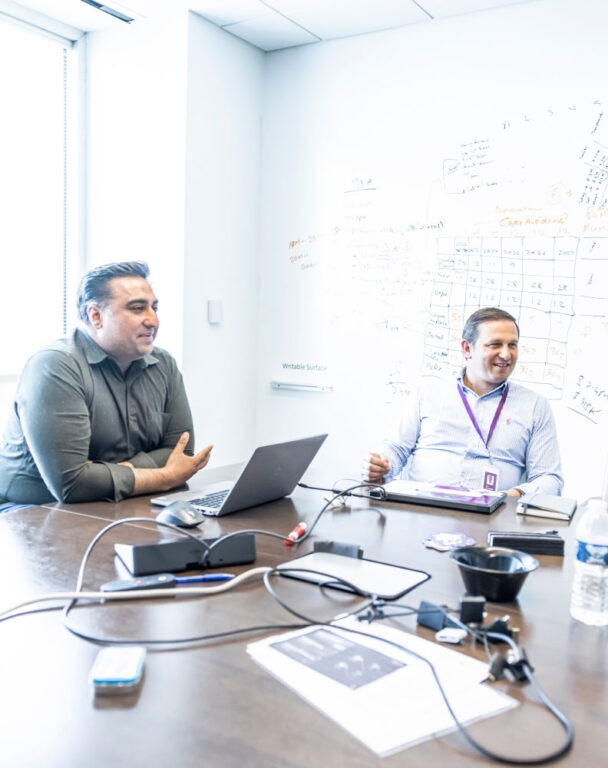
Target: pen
297	532
204	577
160	581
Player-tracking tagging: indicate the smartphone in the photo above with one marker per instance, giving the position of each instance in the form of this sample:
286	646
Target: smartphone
118	669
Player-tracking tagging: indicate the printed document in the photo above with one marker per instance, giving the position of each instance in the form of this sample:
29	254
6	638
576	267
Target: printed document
383	693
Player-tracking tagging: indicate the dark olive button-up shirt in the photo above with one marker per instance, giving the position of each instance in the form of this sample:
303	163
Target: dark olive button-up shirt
75	416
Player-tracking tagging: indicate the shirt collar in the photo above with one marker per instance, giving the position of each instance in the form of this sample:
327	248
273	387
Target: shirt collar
468	390
95	354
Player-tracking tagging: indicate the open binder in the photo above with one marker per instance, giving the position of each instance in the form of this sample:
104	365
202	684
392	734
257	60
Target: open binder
546	505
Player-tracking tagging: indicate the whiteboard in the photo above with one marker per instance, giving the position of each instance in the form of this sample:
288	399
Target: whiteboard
412	177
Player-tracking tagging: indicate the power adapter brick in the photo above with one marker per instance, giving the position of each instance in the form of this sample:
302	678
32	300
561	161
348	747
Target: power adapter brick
432	616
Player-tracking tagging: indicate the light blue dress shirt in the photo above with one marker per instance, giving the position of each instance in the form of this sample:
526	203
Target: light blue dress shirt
438	443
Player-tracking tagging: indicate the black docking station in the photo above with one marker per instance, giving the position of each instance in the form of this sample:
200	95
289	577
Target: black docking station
171	556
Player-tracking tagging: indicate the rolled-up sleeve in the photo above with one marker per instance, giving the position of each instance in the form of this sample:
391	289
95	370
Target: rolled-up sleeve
55	420
398	451
79	426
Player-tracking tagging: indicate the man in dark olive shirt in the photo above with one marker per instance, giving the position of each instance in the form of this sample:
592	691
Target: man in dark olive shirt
103	414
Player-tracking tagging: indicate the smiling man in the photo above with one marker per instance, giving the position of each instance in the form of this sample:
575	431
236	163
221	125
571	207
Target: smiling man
103	414
480	430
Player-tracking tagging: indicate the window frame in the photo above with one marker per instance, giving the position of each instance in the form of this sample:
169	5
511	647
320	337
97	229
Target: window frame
72	42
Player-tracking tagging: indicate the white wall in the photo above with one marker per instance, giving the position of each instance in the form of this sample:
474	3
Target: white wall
225	84
508	101
175	132
257	148
136	119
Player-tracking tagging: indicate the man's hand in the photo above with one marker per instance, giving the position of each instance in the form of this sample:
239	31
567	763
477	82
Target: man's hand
375	467
515	492
179	469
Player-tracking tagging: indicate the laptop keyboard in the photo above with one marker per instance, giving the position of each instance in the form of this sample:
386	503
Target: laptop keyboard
212	501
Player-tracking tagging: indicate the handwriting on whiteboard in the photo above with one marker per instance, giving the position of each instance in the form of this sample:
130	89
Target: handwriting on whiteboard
589	399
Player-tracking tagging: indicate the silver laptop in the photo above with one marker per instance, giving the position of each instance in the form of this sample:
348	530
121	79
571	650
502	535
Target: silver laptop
272	472
409	492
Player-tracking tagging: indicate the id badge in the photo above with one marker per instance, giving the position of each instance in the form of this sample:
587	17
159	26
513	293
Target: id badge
489	478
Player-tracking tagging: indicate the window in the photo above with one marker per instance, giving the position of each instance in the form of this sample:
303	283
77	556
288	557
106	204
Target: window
38	174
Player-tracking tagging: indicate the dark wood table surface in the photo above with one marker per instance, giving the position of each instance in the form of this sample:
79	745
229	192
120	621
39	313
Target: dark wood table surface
211	704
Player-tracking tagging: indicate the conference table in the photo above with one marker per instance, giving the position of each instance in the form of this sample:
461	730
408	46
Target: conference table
206	702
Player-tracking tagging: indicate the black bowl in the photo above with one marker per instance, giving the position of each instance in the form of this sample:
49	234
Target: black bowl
496	573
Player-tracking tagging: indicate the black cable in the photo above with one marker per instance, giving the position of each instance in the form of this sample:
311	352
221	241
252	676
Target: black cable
553	710
31	611
107	528
330	582
523	667
309	529
208	548
195	640
377	611
347	492
247	531
328	504
149	521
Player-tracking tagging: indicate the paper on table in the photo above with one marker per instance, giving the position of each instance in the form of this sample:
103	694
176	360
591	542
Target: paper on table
382	695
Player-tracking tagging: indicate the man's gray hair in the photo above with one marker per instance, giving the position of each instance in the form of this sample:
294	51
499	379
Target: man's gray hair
94	289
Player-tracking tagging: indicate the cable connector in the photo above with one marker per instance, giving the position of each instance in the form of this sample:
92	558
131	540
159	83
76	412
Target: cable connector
496	670
511	665
517	667
374	613
500	627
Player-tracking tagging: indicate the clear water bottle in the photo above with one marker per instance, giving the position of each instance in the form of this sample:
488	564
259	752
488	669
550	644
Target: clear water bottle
589	602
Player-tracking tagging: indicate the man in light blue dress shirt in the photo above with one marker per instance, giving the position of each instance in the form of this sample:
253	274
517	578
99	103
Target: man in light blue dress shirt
479	430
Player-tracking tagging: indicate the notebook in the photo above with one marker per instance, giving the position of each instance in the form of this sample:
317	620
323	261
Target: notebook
272	472
547	505
408	492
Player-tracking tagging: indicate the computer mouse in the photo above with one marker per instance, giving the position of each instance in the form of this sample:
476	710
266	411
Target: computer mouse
181	514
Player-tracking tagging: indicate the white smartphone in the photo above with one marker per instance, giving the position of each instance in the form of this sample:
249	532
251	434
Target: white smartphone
118	669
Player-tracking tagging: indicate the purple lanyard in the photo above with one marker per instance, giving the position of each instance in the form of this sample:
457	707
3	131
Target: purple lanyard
472	415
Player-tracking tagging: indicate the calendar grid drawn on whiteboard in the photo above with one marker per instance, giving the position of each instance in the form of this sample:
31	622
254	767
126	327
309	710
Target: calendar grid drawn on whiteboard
382	257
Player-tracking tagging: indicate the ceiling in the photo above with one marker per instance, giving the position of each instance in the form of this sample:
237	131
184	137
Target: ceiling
267	24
